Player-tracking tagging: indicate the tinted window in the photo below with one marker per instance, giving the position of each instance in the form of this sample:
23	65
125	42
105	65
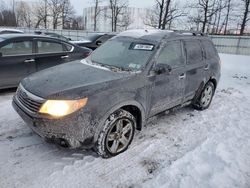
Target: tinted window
17	48
171	54
209	49
194	51
49	47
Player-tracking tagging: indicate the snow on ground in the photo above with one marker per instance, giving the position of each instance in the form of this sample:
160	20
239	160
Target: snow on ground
185	148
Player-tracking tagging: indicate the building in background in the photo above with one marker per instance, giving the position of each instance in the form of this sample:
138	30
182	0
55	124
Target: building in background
133	18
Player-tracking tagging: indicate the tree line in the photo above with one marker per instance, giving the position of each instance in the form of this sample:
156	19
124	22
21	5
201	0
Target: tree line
41	14
208	16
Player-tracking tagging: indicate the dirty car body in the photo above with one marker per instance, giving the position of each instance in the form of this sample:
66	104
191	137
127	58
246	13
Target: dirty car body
140	84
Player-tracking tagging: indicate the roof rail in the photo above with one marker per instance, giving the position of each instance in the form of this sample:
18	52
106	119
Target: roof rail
193	33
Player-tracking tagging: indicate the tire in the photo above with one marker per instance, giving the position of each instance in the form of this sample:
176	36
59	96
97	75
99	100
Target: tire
205	98
116	135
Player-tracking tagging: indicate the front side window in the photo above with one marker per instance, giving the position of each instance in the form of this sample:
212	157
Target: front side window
171	54
17	48
123	54
49	47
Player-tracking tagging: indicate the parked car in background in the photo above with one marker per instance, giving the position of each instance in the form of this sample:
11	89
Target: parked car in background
9	31
55	35
100	101
21	55
94	41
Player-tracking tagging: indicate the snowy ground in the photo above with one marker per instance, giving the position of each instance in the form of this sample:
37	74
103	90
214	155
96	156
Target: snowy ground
186	148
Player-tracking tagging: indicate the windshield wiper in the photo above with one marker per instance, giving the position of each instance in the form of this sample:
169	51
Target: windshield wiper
112	67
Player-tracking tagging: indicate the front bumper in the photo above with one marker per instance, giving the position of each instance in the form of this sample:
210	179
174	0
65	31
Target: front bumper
76	129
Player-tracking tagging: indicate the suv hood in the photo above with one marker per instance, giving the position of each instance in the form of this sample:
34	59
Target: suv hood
69	81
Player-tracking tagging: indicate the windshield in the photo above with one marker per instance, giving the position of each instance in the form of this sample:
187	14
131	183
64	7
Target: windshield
124	54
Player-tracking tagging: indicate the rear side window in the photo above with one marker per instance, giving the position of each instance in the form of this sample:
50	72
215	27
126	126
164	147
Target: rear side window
209	49
17	48
49	47
194	51
171	54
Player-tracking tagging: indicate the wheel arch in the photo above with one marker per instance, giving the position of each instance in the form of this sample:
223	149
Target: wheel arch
134	107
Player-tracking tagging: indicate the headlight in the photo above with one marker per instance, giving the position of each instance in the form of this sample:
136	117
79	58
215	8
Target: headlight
60	108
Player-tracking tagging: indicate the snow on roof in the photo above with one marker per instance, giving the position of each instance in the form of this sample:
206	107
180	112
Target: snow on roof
141	32
152	34
7	29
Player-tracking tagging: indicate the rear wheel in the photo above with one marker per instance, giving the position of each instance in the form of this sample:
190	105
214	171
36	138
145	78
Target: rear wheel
117	134
204	100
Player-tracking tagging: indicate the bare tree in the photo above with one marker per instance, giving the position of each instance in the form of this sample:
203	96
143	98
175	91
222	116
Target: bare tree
97	12
41	14
55	9
7	15
23	14
207	9
68	13
246	17
77	23
164	14
229	9
117	8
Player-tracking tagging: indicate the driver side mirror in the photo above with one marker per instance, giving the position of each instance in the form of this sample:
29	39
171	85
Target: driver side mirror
98	43
161	69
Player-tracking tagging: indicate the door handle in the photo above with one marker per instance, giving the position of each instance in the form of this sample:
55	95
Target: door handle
206	67
182	76
64	57
29	60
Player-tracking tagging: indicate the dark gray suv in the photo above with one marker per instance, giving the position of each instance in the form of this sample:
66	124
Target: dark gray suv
100	102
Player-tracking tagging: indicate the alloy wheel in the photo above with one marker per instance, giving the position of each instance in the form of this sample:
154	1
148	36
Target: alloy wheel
119	136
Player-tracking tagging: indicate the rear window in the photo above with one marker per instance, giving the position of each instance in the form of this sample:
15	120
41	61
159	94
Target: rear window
210	51
49	47
194	51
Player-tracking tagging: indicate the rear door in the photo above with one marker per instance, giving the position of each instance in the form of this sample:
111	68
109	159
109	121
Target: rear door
195	67
169	87
50	53
17	62
211	58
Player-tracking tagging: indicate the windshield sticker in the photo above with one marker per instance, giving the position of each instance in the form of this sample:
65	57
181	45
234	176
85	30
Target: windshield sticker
147	47
134	66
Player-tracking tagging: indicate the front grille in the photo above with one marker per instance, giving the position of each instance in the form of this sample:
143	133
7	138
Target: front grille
28	100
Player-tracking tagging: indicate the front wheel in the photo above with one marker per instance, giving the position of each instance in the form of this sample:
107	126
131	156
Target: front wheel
204	100
117	134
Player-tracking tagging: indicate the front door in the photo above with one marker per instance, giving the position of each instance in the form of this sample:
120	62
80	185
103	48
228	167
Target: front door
17	62
168	87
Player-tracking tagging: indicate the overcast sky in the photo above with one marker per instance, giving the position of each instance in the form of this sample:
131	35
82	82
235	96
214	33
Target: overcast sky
80	4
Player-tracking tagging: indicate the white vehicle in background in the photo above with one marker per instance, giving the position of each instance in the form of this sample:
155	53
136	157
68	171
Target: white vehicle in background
9	31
